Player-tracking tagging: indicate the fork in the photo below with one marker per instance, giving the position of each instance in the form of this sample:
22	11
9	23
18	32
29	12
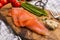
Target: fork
55	15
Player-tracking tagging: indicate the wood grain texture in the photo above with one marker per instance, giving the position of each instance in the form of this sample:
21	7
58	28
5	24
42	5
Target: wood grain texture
54	35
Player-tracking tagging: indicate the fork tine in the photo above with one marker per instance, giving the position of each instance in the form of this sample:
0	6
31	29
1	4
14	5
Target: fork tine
56	10
54	14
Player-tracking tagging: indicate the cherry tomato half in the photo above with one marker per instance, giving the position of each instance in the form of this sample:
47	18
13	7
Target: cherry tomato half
1	5
3	2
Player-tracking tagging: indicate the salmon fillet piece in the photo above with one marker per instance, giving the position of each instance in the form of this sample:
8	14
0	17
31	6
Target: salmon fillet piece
22	17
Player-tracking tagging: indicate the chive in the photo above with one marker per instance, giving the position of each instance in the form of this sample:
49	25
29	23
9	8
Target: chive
35	10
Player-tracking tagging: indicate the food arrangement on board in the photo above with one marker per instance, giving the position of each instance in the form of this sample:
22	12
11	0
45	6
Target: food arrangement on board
25	15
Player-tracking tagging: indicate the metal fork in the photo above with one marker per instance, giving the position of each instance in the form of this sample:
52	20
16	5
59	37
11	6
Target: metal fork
55	15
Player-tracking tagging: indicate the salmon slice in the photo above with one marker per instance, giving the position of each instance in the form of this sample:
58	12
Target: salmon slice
36	26
22	17
14	14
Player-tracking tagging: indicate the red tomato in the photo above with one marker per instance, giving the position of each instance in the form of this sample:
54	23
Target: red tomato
1	5
3	2
16	4
12	1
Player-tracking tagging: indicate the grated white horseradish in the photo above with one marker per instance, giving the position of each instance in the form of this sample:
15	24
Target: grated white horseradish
51	23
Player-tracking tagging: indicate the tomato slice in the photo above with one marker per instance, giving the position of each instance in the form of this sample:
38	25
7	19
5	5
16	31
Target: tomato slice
3	2
16	4
1	5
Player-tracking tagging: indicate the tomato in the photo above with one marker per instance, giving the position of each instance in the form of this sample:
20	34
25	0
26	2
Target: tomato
13	1
1	5
3	2
16	4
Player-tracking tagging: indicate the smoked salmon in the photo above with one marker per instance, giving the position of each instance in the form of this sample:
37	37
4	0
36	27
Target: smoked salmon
23	18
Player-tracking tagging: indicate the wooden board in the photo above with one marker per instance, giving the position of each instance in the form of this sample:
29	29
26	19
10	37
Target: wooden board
24	32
